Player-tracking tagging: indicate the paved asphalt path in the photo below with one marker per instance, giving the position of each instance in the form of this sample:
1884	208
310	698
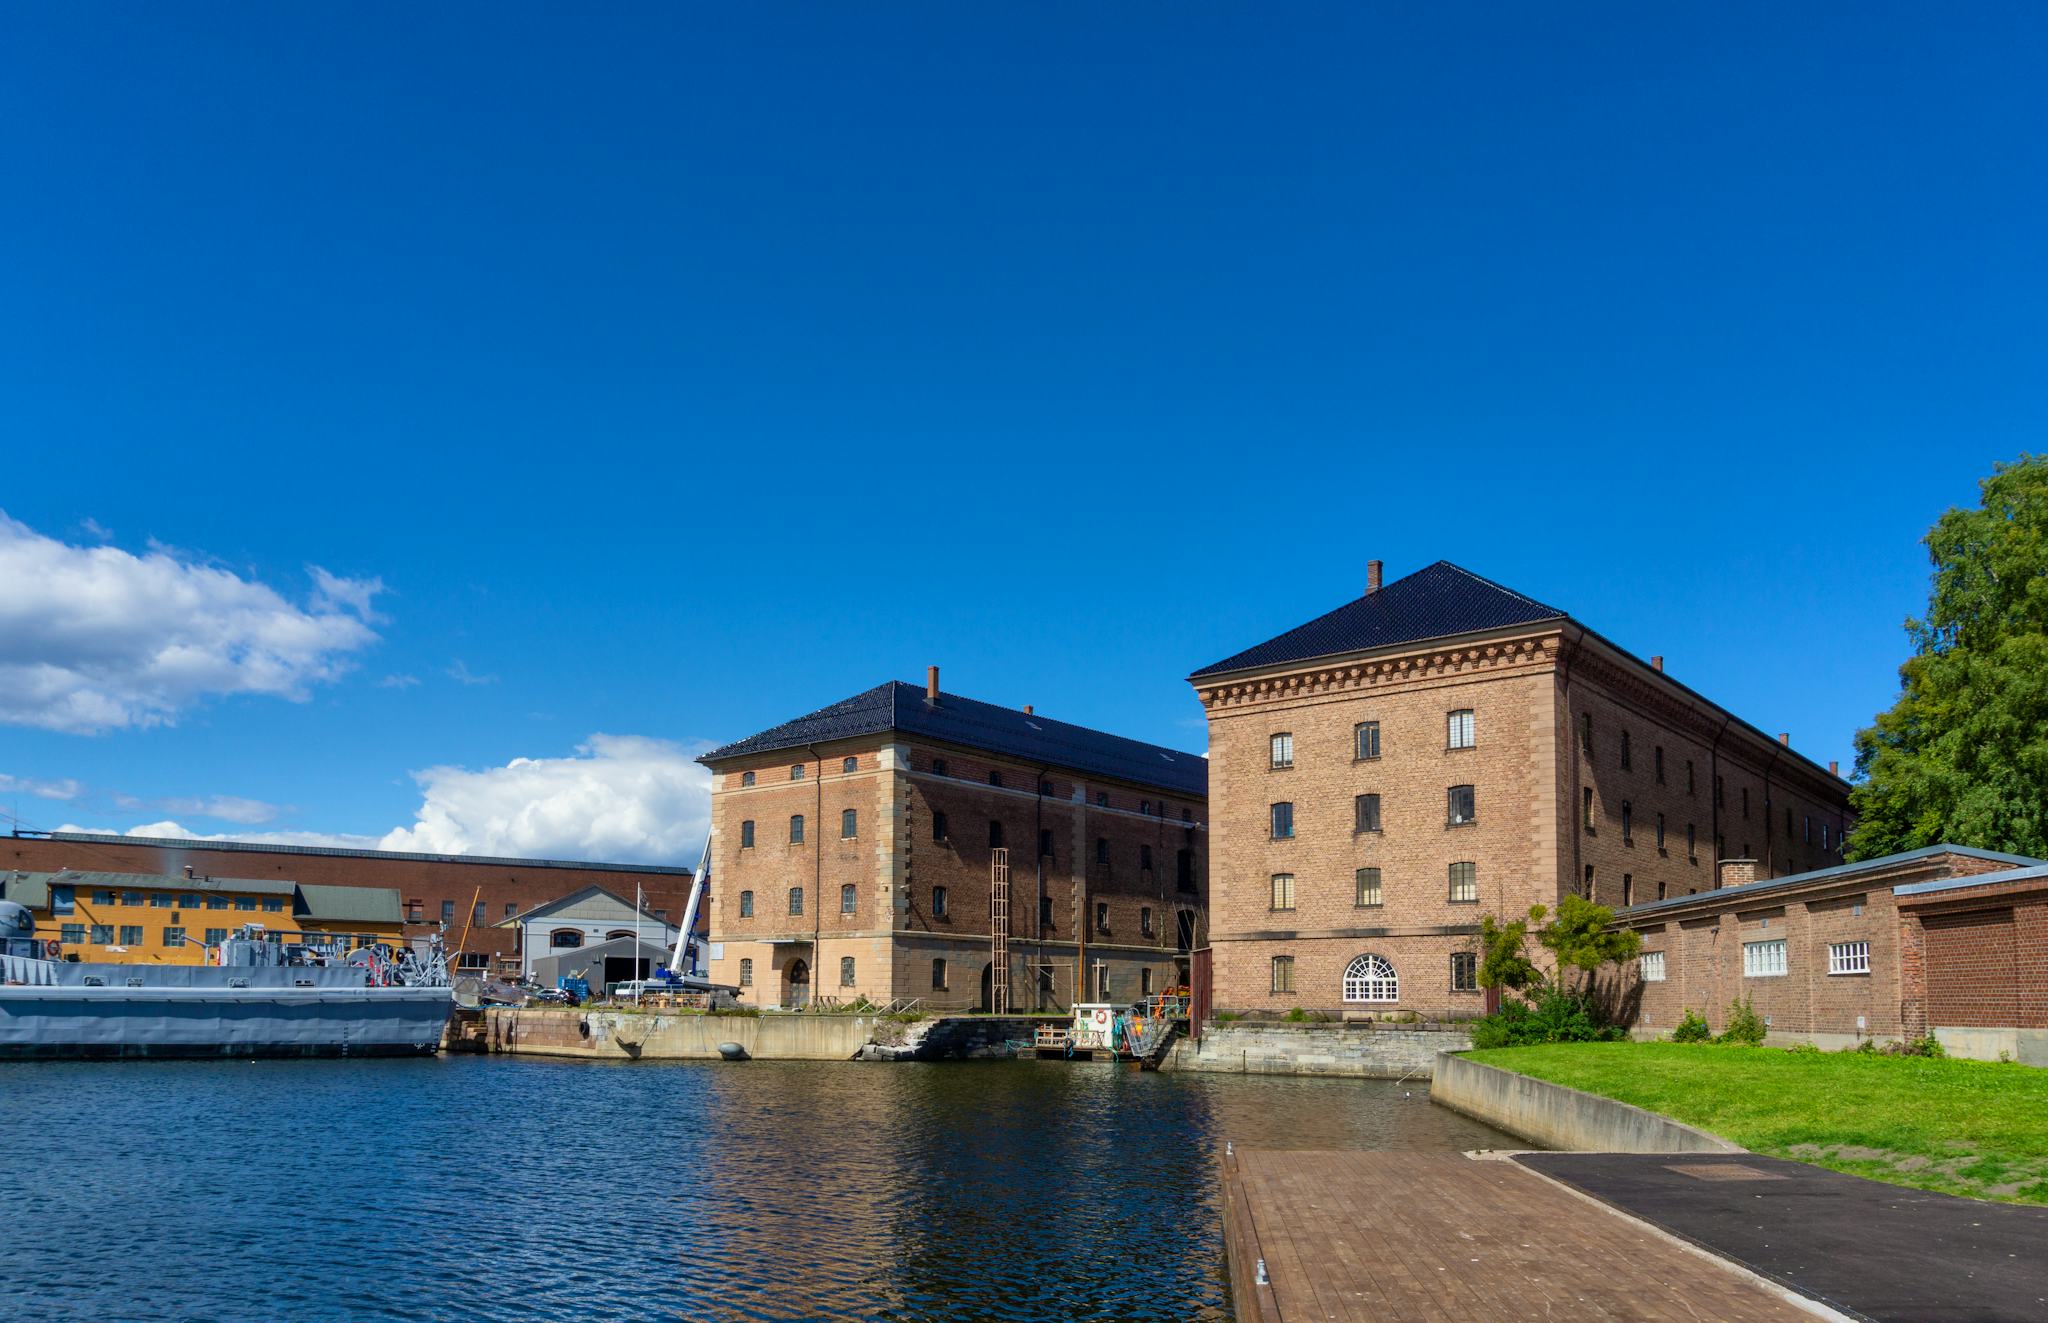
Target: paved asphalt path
1874	1251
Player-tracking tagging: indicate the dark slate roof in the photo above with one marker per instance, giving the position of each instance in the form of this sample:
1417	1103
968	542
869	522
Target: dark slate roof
1764	886
976	725
1434	602
341	852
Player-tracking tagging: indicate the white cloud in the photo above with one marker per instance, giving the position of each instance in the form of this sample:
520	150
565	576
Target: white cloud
97	638
228	808
398	682
28	785
461	674
619	798
622	798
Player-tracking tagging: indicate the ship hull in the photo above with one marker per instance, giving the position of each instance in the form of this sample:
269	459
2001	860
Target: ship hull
70	1022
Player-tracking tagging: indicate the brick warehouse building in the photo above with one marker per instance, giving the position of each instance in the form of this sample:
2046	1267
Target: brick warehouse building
1944	940
436	890
1445	747
853	851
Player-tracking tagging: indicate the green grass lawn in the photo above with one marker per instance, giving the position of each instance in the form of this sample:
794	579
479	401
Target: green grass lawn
1962	1127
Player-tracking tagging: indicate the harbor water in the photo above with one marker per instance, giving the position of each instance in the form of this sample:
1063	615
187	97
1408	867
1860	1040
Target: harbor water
494	1188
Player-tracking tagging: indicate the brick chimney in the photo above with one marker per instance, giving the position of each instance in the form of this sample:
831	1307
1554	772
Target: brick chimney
1027	709
1785	738
1372	577
1834	768
931	684
1735	872
1657	664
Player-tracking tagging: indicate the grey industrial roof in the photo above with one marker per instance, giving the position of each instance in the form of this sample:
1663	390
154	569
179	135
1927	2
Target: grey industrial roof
30	889
1436	601
559	903
1839	870
257	886
2026	874
977	725
266	847
349	904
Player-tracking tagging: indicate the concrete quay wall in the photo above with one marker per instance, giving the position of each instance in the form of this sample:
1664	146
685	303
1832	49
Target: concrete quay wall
654	1036
1560	1118
1351	1050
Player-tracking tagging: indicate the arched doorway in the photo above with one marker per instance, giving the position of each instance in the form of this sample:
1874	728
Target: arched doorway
797	985
988	1000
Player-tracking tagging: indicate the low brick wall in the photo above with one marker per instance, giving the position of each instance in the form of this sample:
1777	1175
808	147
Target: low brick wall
613	1035
1359	1051
1557	1117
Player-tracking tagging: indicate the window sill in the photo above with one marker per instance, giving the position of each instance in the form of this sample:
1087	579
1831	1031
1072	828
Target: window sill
1848	973
1628	842
1275	768
1460	748
1469	900
1368	831
1467	822
1375	758
1592	831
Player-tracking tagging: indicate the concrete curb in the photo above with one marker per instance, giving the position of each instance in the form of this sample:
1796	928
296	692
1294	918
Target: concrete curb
1559	1117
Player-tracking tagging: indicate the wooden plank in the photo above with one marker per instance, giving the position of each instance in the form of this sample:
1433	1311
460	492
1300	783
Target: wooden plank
1391	1237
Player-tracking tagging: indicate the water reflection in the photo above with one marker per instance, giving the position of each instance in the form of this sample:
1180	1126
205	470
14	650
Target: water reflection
488	1188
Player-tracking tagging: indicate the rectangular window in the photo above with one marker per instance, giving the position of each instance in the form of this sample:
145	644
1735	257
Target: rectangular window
849	824
938	902
1809	829
1586	798
131	934
1460	806
1763	959
1628	823
1653	966
796	900
1283	973
1660	833
939	832
1045	843
275	905
1365	813
796	829
71	934
1283	891
1586	886
1692	854
174	937
221	903
796	772
1045	913
1628	889
1144	858
447	911
1689	785
995	779
1624	751
1366	736
1102	849
1283	751
938	767
747	835
512	909
131	898
1586	733
849	899
1145	920
102	897
1368	881
1464	971
939	974
416	911
1657	757
160	900
1101	916
1465	883
846	971
1849	958
245	903
215	936
746	904
995	834
1102	799
1459	731
746	972
1283	822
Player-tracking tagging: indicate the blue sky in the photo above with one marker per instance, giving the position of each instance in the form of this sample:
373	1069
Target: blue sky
678	369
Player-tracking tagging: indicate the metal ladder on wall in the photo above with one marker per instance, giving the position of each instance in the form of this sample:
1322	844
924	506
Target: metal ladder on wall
999	931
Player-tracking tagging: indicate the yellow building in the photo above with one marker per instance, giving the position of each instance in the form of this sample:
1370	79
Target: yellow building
152	918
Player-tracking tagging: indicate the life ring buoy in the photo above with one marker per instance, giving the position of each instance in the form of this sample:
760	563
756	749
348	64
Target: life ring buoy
53	948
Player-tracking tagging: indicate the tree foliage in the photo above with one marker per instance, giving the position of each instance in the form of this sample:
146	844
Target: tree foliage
1577	937
1504	953
1962	756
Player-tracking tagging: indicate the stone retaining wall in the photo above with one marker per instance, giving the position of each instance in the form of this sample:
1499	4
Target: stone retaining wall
1358	1051
1557	1117
654	1036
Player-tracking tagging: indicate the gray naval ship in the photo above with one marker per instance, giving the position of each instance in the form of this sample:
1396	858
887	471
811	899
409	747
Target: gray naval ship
264	998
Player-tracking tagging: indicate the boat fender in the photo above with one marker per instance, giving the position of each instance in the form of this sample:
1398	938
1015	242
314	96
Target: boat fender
732	1051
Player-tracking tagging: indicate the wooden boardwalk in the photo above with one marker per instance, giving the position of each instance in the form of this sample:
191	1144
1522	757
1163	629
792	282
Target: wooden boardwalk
1415	1236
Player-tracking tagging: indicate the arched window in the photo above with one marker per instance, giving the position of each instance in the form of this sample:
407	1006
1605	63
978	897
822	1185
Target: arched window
1370	978
849	824
846	971
564	939
617	933
796	771
746	904
850	765
746	972
796	829
847	903
746	778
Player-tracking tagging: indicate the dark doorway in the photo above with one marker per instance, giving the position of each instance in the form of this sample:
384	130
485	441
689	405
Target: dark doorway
1185	921
798	993
988	1001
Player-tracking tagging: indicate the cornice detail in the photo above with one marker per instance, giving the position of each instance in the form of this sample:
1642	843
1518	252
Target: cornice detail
1506	655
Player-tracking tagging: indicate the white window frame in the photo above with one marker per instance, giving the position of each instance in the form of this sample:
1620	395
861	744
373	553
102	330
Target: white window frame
1461	730
1848	957
1765	959
1282	749
1653	966
1371	978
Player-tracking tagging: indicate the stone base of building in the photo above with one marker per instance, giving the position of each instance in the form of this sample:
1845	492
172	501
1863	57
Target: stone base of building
1346	1050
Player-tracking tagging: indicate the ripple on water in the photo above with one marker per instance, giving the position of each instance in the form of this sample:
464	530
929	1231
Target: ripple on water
487	1188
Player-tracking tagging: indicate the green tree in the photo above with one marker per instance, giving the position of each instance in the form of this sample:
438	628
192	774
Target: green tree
1504	953
1579	937
1962	756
